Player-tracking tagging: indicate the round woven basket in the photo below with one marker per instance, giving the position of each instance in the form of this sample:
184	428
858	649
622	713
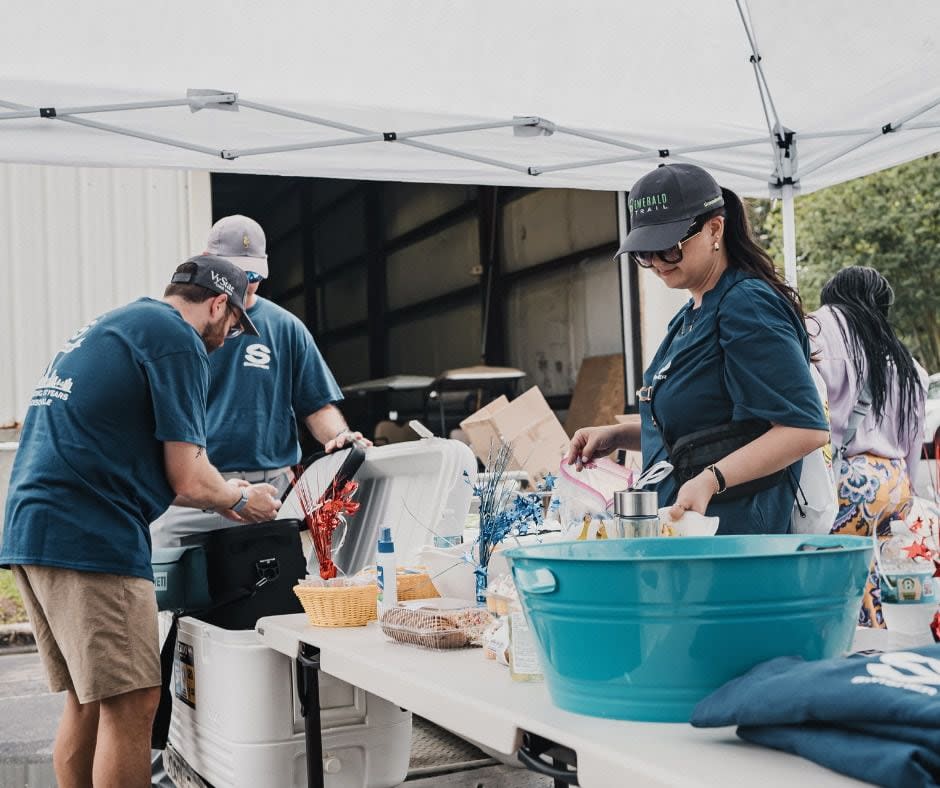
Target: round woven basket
339	606
411	584
415	586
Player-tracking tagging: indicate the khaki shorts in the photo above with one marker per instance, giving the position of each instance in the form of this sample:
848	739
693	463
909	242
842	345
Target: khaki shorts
96	633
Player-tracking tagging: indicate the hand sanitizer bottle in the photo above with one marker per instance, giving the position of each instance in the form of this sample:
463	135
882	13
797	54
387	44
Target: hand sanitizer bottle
387	568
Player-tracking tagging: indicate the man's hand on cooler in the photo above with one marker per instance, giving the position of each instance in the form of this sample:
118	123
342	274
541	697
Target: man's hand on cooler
346	436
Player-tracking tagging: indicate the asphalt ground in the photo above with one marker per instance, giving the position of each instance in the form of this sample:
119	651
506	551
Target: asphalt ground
29	714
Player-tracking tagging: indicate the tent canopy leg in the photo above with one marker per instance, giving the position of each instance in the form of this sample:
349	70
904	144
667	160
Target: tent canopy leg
789	236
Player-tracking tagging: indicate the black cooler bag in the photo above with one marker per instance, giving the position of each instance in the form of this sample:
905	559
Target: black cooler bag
252	572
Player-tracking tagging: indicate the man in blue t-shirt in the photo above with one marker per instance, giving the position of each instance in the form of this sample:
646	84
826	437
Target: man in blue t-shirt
115	432
259	387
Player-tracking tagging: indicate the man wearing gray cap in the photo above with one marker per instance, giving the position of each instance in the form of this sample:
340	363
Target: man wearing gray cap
259	387
115	432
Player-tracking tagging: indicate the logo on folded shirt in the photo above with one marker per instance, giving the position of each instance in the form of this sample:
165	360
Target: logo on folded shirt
904	670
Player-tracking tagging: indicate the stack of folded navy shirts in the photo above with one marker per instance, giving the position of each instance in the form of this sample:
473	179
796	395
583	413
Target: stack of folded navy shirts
873	717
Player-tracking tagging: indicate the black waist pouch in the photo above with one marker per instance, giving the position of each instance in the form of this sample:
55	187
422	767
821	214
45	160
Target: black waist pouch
693	453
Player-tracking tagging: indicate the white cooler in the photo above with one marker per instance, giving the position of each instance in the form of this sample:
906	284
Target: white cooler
237	722
236	713
420	489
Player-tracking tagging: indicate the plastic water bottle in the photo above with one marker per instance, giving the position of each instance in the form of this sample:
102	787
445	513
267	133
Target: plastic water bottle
387	569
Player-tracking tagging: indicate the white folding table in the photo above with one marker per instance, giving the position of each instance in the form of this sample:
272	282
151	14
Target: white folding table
462	691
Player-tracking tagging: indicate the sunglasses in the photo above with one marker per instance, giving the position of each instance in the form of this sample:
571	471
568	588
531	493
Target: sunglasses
253	277
237	330
673	254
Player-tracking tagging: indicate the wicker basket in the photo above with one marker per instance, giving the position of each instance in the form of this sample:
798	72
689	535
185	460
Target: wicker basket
411	584
415	586
339	606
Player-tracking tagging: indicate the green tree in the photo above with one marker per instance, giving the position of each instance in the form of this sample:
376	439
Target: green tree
890	221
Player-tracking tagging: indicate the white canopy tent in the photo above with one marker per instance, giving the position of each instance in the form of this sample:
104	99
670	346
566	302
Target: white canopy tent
771	95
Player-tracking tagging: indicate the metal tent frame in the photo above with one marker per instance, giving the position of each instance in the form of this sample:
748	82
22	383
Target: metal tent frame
784	180
781	179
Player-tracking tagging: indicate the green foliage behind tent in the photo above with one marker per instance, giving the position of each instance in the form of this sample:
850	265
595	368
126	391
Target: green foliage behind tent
890	221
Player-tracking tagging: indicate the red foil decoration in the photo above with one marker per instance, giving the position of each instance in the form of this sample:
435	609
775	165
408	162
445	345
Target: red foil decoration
324	516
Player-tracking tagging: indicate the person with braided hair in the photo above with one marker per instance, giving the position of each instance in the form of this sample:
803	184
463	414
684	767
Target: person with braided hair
861	359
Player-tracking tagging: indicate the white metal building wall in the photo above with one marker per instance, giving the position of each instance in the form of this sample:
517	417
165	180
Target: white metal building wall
76	242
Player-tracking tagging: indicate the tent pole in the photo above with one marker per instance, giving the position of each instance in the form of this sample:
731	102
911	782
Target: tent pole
629	317
58	112
789	235
888	128
650	154
238	153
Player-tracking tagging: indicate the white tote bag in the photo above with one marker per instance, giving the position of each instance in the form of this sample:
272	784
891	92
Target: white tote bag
816	504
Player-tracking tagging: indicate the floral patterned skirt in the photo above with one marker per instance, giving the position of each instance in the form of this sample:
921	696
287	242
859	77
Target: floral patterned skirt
873	491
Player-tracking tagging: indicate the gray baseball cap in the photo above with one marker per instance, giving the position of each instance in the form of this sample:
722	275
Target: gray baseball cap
241	241
220	276
664	203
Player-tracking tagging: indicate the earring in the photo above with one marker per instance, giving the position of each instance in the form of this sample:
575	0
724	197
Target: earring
716	246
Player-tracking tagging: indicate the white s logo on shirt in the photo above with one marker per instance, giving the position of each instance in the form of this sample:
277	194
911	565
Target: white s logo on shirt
258	356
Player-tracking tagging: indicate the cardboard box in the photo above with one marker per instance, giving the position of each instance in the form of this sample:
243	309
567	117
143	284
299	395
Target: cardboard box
598	393
539	441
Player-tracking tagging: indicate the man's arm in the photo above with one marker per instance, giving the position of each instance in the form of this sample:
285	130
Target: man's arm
199	485
329	426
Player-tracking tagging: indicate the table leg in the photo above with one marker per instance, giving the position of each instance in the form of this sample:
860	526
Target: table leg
308	690
563	768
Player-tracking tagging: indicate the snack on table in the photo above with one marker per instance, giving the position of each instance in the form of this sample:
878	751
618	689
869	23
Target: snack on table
472	621
496	641
436	627
502	596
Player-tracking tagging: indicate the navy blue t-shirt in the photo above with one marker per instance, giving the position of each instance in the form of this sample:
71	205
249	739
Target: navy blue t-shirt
875	718
89	475
260	386
749	362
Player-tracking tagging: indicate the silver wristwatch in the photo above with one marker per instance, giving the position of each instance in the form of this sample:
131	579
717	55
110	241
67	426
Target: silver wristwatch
241	501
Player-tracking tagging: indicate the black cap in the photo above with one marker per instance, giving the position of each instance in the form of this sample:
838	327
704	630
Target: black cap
219	275
664	203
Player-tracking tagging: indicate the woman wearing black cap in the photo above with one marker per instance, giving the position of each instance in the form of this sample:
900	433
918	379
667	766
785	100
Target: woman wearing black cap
728	397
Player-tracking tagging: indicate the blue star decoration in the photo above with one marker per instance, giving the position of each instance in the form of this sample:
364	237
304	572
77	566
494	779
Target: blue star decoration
504	514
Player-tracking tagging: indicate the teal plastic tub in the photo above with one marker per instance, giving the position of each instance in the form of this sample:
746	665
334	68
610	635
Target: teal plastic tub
642	629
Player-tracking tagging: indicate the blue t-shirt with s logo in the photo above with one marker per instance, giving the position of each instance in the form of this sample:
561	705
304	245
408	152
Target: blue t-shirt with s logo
260	386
